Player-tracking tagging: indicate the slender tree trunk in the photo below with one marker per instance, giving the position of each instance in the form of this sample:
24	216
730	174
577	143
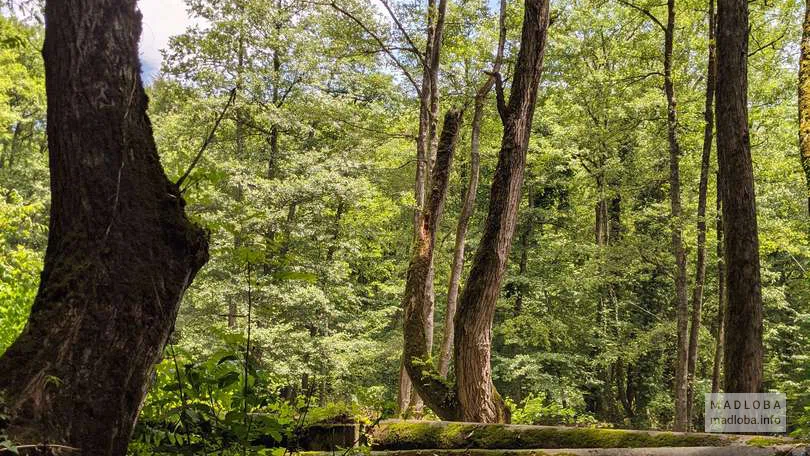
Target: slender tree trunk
476	394
700	266
272	160
804	99
681	299
469	201
525	235
461	235
120	251
743	344
721	296
240	153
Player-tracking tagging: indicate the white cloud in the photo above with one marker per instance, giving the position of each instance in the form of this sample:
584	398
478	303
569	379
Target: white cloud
161	20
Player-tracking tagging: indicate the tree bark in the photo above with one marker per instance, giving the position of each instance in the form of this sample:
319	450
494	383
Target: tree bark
478	400
700	266
416	353
469	201
804	100
721	296
681	299
743	335
425	147
120	251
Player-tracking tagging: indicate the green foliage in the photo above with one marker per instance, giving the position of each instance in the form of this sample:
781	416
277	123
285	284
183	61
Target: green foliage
22	233
539	410
219	404
307	191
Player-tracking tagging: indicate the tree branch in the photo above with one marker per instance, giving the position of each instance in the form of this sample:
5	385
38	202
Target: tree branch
208	139
402	30
643	11
379	41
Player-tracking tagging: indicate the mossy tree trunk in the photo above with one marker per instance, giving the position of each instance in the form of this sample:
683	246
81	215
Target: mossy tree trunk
426	145
120	251
416	351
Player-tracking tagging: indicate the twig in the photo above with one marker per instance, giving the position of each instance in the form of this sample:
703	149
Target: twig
402	30
644	12
380	42
208	139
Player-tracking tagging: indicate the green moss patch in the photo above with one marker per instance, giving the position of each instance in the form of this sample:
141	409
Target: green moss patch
411	435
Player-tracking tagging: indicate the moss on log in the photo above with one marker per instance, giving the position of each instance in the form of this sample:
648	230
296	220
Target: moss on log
415	435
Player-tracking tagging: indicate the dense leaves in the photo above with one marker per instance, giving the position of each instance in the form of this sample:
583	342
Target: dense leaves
307	191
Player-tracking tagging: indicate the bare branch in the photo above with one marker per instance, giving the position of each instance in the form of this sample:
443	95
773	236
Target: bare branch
379	41
645	12
771	43
402	30
208	139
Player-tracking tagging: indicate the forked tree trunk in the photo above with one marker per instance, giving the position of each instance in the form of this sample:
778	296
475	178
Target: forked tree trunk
473	397
120	251
700	265
804	100
743	344
681	299
469	201
478	400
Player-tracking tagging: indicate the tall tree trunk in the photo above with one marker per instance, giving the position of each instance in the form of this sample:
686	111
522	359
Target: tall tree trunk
476	394
272	160
681	299
721	296
416	348
120	251
743	344
700	266
804	99
469	201
425	151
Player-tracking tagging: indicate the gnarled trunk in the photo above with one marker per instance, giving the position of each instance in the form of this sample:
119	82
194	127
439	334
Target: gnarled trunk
743	344
474	398
120	251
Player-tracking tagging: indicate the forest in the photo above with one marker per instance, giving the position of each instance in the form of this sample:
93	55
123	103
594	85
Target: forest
584	214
